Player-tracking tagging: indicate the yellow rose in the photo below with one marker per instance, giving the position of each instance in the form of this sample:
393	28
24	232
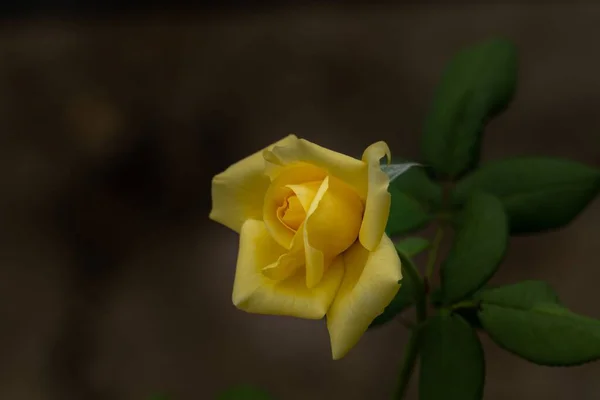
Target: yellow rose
312	241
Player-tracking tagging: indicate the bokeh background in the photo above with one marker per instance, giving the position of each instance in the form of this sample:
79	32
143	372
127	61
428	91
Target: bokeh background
115	285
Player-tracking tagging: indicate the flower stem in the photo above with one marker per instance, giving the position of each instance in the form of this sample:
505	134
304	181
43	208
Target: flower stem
415	277
412	349
435	245
422	287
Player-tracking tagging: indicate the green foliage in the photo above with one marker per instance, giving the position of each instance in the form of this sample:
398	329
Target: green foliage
476	85
452	361
414	199
522	294
538	193
244	393
484	206
478	247
527	320
406	214
411	246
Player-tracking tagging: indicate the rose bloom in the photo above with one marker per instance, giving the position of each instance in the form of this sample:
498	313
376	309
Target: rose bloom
312	242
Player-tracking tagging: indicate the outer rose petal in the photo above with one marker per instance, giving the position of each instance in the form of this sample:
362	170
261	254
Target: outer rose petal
377	207
255	293
369	285
238	192
346	168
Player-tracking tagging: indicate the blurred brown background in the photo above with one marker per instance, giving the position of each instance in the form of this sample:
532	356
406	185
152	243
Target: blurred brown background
114	283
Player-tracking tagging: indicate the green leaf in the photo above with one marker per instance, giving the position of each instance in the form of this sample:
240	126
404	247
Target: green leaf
414	198
522	294
526	319
538	193
452	362
404	298
406	214
476	85
545	334
479	246
245	393
411	246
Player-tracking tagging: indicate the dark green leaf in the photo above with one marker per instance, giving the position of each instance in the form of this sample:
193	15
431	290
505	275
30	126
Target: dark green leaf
404	298
411	246
477	84
452	363
545	333
478	248
524	294
538	193
526	319
406	213
244	393
414	198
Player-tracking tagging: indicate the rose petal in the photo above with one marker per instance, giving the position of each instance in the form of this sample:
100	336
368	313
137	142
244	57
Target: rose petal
331	227
348	169
288	263
276	194
369	285
377	207
238	192
255	293
306	192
